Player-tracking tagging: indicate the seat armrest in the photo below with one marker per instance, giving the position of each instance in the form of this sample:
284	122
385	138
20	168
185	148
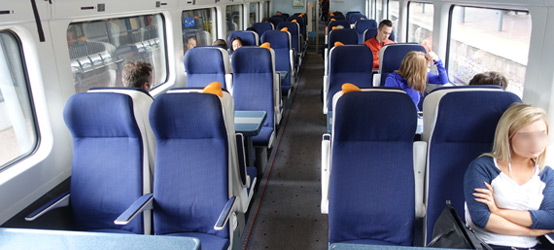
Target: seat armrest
225	214
376	80
144	202
325	172
325	94
420	161
326	61
61	200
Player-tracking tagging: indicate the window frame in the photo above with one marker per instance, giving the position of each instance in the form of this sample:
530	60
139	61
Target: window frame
29	101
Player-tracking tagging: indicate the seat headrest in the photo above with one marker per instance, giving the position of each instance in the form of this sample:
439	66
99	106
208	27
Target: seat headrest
284	29
213	88
266	45
349	87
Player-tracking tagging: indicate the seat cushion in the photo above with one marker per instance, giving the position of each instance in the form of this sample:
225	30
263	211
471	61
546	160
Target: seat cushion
207	241
262	139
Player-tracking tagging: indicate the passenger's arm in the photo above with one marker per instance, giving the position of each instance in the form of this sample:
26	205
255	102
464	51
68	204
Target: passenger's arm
500	225
486	196
391	82
441	78
475	177
544	217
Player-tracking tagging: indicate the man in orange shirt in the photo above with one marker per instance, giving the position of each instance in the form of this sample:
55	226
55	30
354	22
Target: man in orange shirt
381	39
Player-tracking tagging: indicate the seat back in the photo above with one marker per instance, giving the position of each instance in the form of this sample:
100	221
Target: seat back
204	65
196	161
260	28
249	38
459	125
294	30
361	26
369	33
354	17
349	13
371	188
349	64
391	56
345	36
254	82
344	23
108	150
301	22
281	45
275	20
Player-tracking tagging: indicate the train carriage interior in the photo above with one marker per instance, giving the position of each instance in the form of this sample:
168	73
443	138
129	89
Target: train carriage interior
292	140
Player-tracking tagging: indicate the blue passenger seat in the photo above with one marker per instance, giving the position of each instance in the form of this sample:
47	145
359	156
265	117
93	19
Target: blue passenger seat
109	149
361	26
281	45
261	28
204	65
249	38
459	125
372	183
255	88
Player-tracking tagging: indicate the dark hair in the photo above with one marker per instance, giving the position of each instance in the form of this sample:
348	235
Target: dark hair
221	43
489	78
265	20
135	74
235	39
385	22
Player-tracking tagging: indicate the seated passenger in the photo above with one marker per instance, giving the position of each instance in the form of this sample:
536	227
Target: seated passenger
413	77
381	39
137	75
509	192
236	43
489	78
220	43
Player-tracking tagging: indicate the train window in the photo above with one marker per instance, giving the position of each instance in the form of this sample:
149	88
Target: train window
489	40
99	49
18	137
393	14
266	9
420	24
233	16
253	14
198	28
379	8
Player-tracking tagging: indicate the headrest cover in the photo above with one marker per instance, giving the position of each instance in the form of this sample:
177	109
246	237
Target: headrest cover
294	21
349	87
336	28
213	88
331	14
332	19
266	45
285	29
338	44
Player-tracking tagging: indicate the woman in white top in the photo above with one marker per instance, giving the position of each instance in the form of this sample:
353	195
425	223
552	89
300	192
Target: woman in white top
509	192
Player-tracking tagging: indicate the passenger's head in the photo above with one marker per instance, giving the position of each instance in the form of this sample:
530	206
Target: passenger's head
220	43
236	43
191	42
138	75
414	70
384	30
522	131
265	20
490	78
278	13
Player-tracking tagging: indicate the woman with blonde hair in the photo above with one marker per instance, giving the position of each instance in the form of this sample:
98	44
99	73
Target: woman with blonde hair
509	192
413	75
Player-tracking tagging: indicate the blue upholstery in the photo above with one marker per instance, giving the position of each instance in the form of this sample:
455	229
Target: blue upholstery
260	28
191	176
107	151
344	23
345	36
370	33
249	38
302	24
392	56
349	13
253	76
275	20
361	26
280	43
464	128
349	64
354	17
371	189
205	65
294	30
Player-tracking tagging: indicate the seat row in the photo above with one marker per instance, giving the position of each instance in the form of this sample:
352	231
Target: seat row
169	166
376	181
